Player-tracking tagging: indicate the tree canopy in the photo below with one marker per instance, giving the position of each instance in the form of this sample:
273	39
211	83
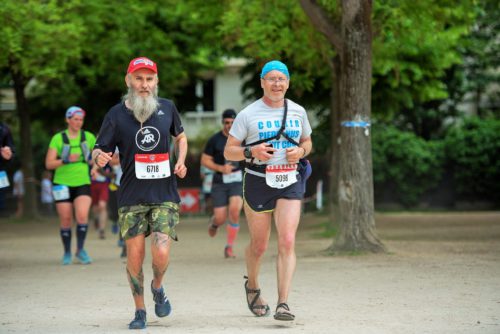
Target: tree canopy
178	36
426	54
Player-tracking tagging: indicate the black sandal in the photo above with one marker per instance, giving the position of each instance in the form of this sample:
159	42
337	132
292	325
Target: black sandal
251	305
283	315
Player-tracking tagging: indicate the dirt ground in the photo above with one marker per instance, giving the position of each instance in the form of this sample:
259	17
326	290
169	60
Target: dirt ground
441	275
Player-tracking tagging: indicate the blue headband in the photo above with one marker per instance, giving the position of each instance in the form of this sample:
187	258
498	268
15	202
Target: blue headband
274	65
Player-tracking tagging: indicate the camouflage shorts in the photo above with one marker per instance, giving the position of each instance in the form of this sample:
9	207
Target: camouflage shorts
148	218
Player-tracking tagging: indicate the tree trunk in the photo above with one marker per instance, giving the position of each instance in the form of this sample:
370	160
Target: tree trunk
355	192
477	102
30	195
334	145
350	36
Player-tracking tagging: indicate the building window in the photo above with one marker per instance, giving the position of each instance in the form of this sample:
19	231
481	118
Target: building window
197	96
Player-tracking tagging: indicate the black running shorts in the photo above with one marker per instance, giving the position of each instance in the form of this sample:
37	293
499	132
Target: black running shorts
262	198
222	191
74	192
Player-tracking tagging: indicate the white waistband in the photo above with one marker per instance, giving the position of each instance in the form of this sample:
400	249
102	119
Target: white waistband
249	171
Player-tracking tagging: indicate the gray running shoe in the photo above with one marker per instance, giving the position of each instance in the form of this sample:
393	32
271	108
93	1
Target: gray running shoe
162	305
139	321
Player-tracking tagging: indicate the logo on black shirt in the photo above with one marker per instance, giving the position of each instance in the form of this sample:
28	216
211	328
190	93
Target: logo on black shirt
147	138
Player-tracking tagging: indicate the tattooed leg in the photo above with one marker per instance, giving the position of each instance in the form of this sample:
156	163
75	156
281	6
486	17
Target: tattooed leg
135	275
137	286
136	283
160	251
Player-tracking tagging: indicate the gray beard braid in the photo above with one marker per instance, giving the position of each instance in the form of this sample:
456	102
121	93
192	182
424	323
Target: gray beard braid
142	107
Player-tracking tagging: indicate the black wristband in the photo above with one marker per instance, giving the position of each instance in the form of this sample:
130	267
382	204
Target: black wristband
247	152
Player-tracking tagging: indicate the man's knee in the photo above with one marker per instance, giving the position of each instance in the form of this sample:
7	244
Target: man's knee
258	248
234	213
82	217
286	242
102	205
161	254
219	217
82	220
66	220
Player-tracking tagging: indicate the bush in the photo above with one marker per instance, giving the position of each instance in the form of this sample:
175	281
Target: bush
473	150
409	163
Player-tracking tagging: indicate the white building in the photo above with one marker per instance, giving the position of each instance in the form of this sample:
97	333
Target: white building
225	93
7	99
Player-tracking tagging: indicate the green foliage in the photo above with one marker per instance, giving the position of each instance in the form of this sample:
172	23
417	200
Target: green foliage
39	39
327	231
77	52
98	40
475	80
472	80
179	36
40	139
266	30
415	42
414	166
322	136
406	161
472	149
414	45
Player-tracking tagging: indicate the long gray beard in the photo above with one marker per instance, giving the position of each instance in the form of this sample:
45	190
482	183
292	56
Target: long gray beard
142	107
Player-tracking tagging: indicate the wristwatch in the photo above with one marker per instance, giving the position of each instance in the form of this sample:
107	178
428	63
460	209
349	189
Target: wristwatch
247	152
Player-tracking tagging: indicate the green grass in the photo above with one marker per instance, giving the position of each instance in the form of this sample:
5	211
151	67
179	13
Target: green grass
323	230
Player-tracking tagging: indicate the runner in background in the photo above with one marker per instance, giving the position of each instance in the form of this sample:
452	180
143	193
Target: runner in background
99	189
6	154
226	193
46	193
69	155
18	191
207	178
114	186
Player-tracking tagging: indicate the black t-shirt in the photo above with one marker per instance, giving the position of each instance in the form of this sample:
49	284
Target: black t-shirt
121	129
215	148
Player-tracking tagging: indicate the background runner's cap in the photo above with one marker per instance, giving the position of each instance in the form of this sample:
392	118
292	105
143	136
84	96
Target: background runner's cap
73	110
229	113
274	65
141	62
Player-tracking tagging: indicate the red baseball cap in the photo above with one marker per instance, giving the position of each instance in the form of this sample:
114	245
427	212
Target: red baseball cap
141	62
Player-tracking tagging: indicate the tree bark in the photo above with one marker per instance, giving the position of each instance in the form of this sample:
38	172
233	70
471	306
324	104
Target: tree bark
30	195
334	145
351	38
356	204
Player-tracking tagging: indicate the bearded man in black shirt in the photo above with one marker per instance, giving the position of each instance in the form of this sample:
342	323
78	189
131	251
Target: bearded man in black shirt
141	127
